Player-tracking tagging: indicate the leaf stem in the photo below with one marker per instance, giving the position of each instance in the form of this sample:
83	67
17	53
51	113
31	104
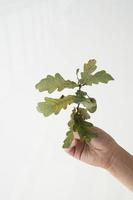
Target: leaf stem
78	107
80	86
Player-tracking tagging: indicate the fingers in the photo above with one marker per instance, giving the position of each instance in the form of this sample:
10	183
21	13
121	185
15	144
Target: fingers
79	148
74	142
70	150
72	147
76	147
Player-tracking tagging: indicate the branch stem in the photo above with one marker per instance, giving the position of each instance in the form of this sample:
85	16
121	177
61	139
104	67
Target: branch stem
80	86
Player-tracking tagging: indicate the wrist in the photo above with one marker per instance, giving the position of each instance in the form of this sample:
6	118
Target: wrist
120	159
122	167
117	158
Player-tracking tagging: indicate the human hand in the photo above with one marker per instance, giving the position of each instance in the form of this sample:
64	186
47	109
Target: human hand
100	151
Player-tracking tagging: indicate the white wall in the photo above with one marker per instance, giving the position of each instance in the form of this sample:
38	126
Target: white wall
44	37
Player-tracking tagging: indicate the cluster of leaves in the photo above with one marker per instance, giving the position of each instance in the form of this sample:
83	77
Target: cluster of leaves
79	116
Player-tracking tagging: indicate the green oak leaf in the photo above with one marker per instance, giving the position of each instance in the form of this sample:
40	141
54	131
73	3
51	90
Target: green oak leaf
84	114
71	121
52	105
83	128
80	96
84	131
79	99
99	77
81	93
69	139
70	136
51	83
90	66
90	104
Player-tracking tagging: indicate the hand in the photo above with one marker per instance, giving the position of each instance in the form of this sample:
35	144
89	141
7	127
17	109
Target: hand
104	152
100	151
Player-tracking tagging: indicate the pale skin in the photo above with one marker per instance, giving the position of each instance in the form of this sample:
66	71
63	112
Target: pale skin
103	151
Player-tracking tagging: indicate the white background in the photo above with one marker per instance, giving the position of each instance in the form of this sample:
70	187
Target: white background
44	37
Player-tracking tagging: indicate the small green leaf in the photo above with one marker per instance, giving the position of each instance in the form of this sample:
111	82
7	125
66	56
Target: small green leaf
78	99
83	128
80	96
85	132
84	114
99	77
90	104
81	93
77	71
54	105
70	136
51	83
69	139
71	122
90	66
